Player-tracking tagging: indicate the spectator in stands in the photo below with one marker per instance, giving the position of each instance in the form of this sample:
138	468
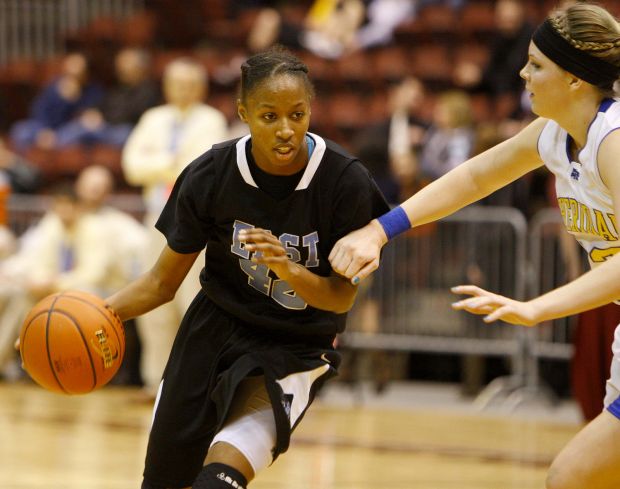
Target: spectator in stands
276	22
7	240
8	243
60	102
123	104
22	176
382	18
129	240
391	148
336	27
450	140
331	27
166	139
508	53
65	250
125	234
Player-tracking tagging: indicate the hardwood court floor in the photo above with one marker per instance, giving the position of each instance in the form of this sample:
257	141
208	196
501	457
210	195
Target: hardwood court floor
97	441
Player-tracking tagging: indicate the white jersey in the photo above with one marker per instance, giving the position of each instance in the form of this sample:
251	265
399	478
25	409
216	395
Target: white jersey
585	202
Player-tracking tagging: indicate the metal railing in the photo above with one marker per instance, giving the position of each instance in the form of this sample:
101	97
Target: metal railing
406	305
34	28
479	244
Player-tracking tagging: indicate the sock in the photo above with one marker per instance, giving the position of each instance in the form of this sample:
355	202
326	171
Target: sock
219	476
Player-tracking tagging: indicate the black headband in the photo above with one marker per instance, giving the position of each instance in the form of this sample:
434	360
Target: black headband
581	64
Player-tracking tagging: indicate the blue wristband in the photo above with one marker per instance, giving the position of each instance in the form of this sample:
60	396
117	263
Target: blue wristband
395	222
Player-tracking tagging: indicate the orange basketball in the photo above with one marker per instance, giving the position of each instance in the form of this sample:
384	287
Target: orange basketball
71	343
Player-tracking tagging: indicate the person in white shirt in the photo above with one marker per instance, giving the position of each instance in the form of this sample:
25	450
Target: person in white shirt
166	139
66	249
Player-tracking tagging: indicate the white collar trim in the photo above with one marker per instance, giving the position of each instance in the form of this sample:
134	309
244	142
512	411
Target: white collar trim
311	167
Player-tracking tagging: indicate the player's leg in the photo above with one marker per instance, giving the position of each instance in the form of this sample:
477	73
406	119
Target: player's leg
591	458
185	417
218	475
244	445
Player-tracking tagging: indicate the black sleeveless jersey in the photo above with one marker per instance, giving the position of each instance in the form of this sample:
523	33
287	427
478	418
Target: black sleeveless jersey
216	196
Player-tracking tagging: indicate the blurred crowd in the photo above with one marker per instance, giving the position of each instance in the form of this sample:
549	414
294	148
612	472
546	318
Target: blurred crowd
157	106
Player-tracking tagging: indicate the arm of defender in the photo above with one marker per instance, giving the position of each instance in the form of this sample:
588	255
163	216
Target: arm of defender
595	288
357	255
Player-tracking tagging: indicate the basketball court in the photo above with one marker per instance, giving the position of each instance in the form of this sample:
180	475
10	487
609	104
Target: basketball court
413	436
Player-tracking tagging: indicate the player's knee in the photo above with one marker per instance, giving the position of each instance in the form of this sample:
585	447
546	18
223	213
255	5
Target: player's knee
219	476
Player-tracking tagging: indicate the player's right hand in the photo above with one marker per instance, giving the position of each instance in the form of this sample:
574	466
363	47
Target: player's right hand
495	307
357	255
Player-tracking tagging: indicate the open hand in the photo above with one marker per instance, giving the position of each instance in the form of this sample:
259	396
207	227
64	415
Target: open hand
495	306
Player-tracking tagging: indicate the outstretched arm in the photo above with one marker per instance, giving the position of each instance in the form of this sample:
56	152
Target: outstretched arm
593	289
357	255
332	293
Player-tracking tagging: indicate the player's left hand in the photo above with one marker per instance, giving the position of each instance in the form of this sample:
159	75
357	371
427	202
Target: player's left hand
495	306
267	250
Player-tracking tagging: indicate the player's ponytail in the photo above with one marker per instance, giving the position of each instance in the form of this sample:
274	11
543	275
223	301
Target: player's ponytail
592	30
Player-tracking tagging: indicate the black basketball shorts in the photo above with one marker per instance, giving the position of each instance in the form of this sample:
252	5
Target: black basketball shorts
212	353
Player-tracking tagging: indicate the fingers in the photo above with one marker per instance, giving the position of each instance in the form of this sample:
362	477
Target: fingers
495	308
270	260
468	290
364	272
352	266
16	344
263	242
477	305
334	254
266	251
499	313
257	235
511	314
340	259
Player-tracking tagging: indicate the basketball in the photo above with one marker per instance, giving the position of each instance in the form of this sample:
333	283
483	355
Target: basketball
71	343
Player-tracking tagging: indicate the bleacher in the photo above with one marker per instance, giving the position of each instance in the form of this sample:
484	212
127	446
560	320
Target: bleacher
352	90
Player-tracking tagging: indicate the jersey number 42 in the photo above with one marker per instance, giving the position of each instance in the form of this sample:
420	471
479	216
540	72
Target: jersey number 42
258	274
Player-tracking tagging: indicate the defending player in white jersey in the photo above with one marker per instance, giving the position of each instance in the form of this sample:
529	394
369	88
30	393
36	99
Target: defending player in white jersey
573	64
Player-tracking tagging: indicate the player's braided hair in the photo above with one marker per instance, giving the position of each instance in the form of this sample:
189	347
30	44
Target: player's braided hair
590	28
275	61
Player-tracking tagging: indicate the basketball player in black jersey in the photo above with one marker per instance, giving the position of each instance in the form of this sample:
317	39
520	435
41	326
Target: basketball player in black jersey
256	343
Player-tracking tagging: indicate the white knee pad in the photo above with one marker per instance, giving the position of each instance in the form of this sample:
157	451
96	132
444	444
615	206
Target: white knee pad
250	426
